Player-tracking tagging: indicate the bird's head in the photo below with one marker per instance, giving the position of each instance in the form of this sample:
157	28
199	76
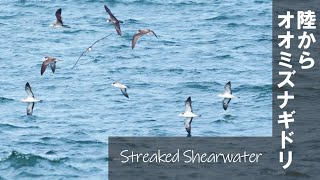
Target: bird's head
181	114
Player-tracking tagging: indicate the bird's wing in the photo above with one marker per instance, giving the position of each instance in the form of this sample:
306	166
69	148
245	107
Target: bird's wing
30	108
153	33
135	39
188	105
28	90
110	13
225	103
124	92
187	124
80	57
45	64
117	26
58	16
227	88
88	49
53	66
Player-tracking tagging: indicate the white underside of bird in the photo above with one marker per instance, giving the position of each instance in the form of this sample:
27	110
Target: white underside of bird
227	95
30	100
118	85
188	114
56	25
122	87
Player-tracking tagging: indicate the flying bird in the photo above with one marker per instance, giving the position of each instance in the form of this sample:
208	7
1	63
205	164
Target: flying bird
49	60
227	95
29	99
122	87
141	33
89	49
189	115
59	22
113	20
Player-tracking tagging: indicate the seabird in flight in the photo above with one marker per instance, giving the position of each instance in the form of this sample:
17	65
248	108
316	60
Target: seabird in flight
29	99
227	95
49	60
122	87
141	33
89	49
59	22
113	20
189	115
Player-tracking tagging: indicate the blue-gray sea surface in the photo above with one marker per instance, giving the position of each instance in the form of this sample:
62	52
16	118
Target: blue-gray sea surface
201	45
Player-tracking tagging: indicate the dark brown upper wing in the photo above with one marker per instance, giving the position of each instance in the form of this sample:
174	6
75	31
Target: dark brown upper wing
117	26
89	48
110	13
45	64
58	16
153	33
135	39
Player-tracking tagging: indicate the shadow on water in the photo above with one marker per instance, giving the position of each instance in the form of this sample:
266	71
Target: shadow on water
17	159
6	100
227	118
29	118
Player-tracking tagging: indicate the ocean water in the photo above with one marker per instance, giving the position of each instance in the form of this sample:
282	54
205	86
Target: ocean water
201	45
